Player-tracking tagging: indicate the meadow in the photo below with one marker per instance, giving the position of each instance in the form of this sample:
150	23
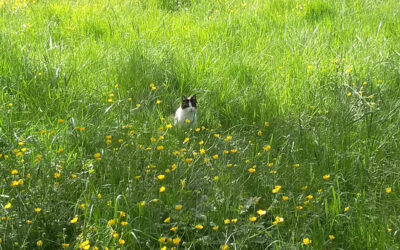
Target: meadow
297	145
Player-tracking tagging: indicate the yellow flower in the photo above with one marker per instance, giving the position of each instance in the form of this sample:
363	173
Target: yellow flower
8	206
226	152
267	148
178	207
39	243
227	221
187	121
299	208
161	138
96	155
276	189
158	102
10	105
266	124
162	240
74	176
228	138
388	190
37	210
162	189
304	188
57	175
259	133
389	230
261	212
331	237
60	121
124	223
14	172
217	136
189	160
199	227
28	222
228	165
251	170
121	242
285	198
306	241
326	177
161	177
202	151
215	157
64	245
224	247
186	140
216	178
74	220
173	167
167	220
234	151
309	197
234	221
174	229
176	241
215	228
277	220
346	209
296	165
253	219
197	130
270	164
111	223
349	94
115	235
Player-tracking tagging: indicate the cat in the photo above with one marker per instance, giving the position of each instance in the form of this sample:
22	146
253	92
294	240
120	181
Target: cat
186	113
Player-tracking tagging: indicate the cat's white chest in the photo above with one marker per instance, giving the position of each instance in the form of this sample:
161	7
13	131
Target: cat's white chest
181	115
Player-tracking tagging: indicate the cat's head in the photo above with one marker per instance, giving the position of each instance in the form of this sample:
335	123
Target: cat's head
190	102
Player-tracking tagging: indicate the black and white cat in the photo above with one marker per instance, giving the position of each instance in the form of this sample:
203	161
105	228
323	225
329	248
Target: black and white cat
186	113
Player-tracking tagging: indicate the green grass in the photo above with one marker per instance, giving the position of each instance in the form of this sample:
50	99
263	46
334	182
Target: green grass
324	74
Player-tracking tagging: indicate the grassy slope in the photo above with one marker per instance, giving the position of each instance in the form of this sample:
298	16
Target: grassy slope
291	63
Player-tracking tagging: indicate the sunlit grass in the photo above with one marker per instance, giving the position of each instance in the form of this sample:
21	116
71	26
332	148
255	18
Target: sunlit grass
296	145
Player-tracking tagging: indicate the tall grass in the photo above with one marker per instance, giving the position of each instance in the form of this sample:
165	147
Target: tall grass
82	135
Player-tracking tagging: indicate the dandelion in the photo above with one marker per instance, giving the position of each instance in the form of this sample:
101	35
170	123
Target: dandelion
226	152
115	235
349	94
229	165
189	160
39	243
227	221
309	197
215	228
10	105
37	210
234	221
306	241
215	157
174	229
266	124
299	208
253	219
276	189
252	170
99	196
158	102
187	121
176	241
167	220
64	245
261	212
162	240
111	223
296	165
331	237
326	177
121	242
389	230
201	143
168	126
161	177
14	172
270	165
183	183
259	133
57	175
197	130
162	189
217	136
267	148
228	138
285	198
234	151
388	190
186	140
346	209
74	220
199	227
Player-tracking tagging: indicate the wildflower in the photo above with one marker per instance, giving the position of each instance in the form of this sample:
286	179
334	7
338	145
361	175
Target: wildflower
197	130
39	243
178	207
168	126
285	198
115	235
215	157
389	230
199	227
228	165
217	136
162	240
331	237
346	209
215	228
158	102
10	105
96	155
161	138
266	124
57	175
121	242
14	172
60	121
186	140
349	94
37	210
8	206
326	177
251	170
74	176
309	197
296	165
234	151
162	189
216	178
261	212
234	221
259	133
183	183
74	220
111	223
201	143
161	177
176	241
276	189
64	245
167	220
143	203
304	188
173	167
277	220
299	208
306	241
226	152
224	247
174	229
227	221
228	138
253	219
124	223
267	148
388	190
28	222
189	160
187	121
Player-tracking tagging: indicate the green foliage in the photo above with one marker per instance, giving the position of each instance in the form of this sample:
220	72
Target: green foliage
297	138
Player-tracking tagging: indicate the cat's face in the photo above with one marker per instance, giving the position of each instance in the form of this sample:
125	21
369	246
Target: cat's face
189	103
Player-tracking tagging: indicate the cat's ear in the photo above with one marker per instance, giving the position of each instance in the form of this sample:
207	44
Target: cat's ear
184	98
193	98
